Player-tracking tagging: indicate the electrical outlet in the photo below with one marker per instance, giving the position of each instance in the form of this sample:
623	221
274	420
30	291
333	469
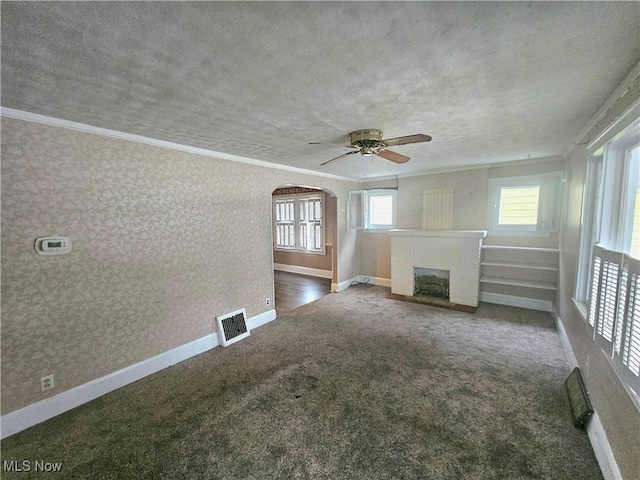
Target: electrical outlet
46	383
267	302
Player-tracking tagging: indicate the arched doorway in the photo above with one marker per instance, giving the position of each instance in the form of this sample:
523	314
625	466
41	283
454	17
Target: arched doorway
304	233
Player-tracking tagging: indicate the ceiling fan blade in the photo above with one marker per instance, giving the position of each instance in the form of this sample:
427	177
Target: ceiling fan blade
333	144
408	139
343	155
393	156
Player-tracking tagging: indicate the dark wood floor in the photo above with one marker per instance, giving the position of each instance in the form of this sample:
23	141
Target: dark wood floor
294	290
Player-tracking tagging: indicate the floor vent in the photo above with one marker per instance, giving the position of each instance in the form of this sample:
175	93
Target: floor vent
232	327
581	409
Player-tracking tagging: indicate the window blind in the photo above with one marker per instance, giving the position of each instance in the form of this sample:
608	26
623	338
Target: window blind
614	311
627	345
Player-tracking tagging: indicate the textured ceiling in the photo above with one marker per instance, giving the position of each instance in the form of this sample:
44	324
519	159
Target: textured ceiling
490	82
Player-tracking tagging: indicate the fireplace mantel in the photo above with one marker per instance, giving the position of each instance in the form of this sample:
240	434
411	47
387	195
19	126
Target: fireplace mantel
457	251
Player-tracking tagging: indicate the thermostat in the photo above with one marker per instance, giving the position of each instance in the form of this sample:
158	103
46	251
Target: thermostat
53	245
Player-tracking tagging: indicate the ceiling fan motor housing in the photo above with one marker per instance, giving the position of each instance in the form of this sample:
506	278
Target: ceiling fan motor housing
366	140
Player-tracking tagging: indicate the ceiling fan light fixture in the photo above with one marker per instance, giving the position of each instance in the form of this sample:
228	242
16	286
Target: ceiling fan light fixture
367	151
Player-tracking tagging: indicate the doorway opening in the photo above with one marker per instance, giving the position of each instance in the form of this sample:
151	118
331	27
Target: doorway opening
304	235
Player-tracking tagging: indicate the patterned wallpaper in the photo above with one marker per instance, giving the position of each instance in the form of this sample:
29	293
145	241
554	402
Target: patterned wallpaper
163	241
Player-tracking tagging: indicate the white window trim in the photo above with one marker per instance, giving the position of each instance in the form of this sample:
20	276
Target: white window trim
371	227
358	215
602	234
547	205
297	197
588	230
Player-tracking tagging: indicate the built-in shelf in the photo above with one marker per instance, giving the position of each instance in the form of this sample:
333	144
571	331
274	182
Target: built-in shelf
534	270
533	266
522	249
514	282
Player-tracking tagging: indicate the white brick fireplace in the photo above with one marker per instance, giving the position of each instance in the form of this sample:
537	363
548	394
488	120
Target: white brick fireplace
457	251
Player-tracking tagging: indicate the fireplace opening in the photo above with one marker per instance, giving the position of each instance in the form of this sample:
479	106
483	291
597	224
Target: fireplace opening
431	282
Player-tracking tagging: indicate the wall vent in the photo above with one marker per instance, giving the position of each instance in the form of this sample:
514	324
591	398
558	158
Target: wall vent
581	409
232	327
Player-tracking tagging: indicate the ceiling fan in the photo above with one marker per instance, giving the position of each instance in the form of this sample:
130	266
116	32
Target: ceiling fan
370	142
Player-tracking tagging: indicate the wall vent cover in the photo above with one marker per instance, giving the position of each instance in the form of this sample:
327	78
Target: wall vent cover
581	409
232	327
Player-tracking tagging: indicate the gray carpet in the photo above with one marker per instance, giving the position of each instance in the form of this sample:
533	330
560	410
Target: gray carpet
352	386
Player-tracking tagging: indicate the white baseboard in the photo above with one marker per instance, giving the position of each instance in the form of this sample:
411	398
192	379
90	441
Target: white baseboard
595	430
514	301
262	318
564	340
314	272
339	287
602	449
381	282
38	412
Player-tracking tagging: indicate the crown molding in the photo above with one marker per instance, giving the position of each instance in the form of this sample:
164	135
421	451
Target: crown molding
81	127
464	168
616	95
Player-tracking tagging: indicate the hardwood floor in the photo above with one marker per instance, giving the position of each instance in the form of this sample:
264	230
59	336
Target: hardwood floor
293	290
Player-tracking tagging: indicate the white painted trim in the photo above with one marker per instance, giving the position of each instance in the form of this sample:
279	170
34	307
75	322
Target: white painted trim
344	285
38	412
606	106
595	429
261	319
564	340
515	301
81	127
602	449
381	282
464	168
313	272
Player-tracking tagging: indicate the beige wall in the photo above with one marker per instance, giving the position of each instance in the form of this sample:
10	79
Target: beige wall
163	241
470	197
619	416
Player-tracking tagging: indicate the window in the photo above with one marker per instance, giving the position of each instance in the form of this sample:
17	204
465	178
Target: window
524	205
372	209
608	277
298	222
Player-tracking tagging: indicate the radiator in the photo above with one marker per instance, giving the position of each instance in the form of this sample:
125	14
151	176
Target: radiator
437	209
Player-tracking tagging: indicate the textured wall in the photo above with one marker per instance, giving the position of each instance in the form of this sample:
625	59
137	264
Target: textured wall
163	241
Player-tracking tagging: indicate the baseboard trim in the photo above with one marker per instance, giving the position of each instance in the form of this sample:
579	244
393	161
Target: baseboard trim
595	430
313	272
514	301
38	412
381	282
339	287
564	340
602	449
